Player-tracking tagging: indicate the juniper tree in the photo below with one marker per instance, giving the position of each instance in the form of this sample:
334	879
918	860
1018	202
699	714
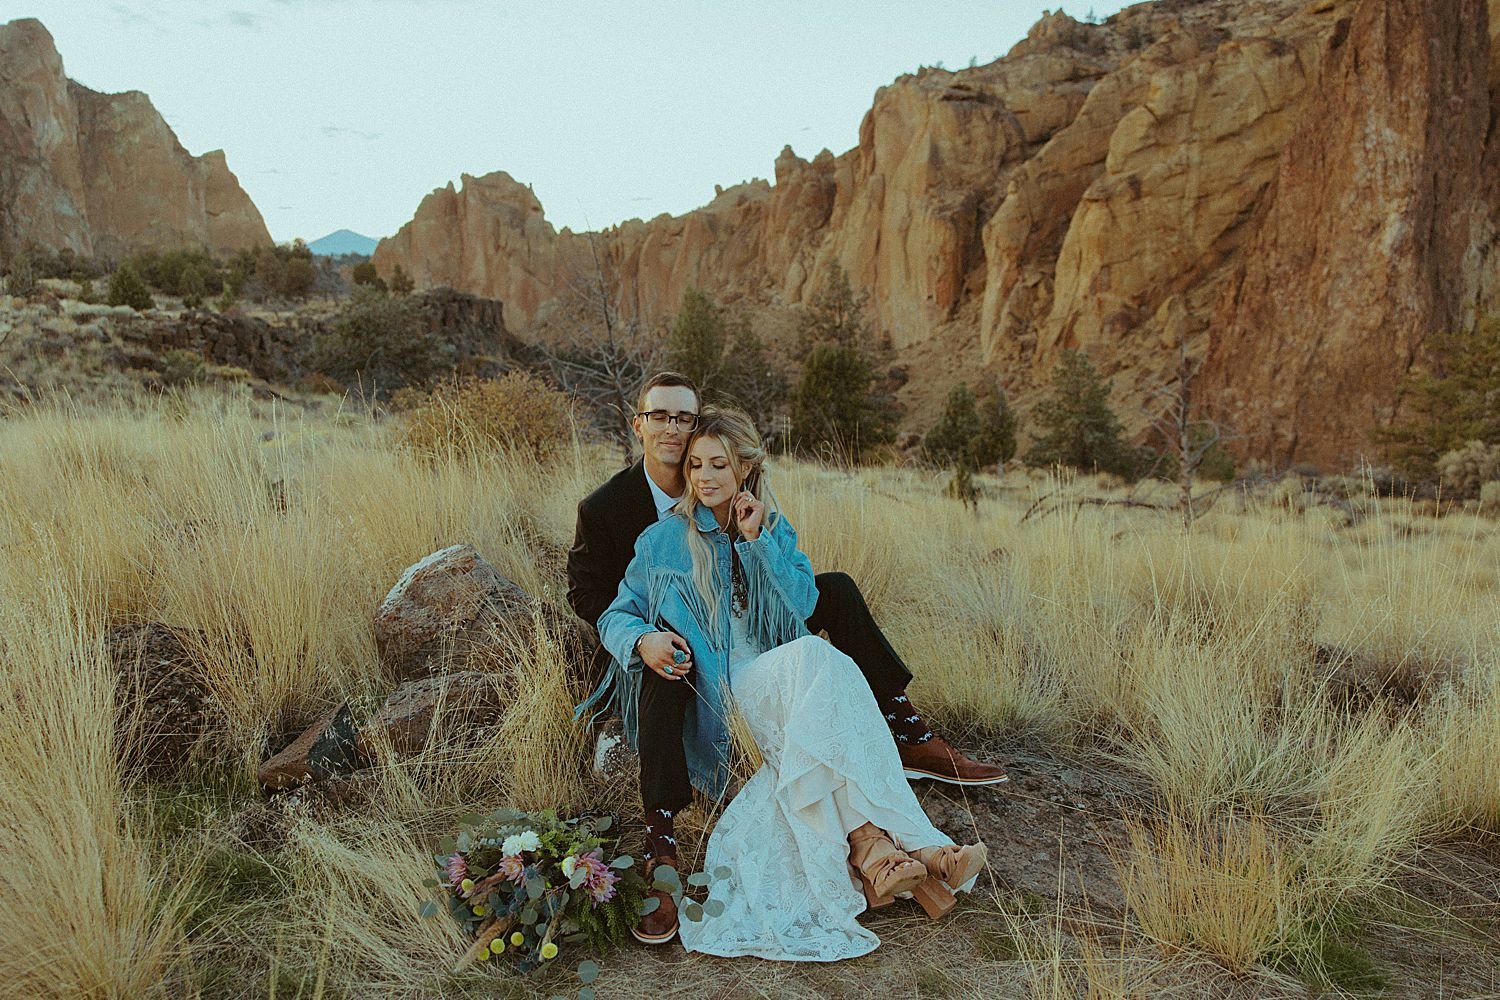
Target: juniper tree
969	436
1080	429
127	289
749	380
1452	399
696	344
835	405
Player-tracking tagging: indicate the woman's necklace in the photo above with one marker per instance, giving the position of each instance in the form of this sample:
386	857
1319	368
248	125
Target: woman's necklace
739	592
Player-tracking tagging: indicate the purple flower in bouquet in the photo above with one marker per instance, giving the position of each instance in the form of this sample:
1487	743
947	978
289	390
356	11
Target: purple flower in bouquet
512	869
458	870
600	879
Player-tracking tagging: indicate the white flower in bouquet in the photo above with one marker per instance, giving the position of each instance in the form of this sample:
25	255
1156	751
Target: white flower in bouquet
526	840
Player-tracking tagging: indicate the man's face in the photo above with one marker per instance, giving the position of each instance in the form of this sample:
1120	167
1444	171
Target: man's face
663	443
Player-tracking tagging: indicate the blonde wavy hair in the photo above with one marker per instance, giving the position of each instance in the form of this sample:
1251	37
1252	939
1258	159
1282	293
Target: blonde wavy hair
736	432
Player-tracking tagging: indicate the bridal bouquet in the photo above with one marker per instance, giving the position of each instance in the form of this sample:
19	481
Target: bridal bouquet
525	885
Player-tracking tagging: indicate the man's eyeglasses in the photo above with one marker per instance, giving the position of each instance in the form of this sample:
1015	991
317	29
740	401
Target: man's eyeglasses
659	419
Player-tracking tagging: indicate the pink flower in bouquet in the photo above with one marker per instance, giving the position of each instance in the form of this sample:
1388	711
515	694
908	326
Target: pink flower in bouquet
600	879
512	869
458	870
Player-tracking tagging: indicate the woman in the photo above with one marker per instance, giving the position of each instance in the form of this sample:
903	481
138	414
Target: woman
725	573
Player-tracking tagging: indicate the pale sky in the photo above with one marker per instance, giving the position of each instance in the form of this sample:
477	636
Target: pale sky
344	114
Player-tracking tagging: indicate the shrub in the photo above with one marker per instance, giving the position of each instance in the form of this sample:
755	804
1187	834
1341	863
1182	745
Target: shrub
966	438
366	276
517	413
401	283
1081	430
21	278
832	407
1447	402
180	367
194	289
178	272
1489	499
379	344
127	289
297	276
1464	471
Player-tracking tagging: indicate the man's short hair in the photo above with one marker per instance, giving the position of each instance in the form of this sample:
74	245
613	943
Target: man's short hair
666	379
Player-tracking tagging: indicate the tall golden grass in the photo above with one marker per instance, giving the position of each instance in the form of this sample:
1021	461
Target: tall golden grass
1294	780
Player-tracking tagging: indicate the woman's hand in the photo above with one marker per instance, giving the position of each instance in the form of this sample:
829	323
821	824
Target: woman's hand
749	514
667	654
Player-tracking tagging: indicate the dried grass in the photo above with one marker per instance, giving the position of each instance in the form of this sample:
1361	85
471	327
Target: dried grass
1187	658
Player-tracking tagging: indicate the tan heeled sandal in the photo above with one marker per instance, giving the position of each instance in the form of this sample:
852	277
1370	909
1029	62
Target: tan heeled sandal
883	869
948	868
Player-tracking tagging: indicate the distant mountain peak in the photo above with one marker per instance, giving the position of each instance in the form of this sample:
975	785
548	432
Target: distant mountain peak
341	242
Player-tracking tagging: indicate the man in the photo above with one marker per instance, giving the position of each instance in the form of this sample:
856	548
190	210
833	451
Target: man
609	520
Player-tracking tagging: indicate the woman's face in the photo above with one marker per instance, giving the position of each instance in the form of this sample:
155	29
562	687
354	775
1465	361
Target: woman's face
711	472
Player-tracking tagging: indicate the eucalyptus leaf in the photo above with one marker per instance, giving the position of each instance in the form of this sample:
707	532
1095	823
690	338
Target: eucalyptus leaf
650	905
699	879
471	819
588	970
529	916
623	861
585	994
464	842
429	909
576	879
693	912
603	823
535	887
723	872
430	883
714	907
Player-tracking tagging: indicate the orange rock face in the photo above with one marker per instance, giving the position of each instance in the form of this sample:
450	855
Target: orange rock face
1366	242
102	173
1303	191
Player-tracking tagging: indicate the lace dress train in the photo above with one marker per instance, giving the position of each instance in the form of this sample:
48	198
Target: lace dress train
830	766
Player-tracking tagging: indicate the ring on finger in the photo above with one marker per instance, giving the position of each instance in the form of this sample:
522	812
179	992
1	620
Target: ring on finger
667	670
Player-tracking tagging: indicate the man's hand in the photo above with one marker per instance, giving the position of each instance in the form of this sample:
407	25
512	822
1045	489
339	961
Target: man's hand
749	513
667	654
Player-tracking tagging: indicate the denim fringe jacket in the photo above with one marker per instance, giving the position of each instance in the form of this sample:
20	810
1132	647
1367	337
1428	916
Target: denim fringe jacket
658	594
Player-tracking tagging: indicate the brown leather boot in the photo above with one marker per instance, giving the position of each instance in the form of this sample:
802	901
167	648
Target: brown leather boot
660	925
882	867
942	761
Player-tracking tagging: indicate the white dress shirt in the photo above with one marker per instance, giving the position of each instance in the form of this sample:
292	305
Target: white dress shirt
664	503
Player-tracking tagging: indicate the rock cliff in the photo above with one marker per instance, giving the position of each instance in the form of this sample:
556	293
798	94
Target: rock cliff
1298	191
102	173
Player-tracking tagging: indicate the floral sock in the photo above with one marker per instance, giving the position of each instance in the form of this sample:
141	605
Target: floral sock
660	839
907	724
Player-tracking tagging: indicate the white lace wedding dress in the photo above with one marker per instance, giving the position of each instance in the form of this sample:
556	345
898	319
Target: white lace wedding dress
830	766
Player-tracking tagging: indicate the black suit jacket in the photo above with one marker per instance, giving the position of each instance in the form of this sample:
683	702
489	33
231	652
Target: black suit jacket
609	521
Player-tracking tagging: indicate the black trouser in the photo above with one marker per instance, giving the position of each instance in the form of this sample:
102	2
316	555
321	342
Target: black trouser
841	612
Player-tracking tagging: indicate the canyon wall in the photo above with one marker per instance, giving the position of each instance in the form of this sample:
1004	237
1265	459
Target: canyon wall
102	173
1297	193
